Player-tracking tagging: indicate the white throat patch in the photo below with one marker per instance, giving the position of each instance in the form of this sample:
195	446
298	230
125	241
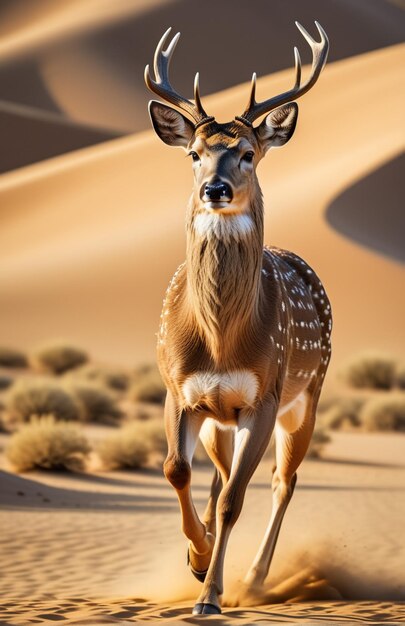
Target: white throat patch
224	227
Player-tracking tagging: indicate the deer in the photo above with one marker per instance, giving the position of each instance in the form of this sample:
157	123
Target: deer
244	338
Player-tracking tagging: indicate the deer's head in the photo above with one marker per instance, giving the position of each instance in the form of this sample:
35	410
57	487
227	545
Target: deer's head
225	156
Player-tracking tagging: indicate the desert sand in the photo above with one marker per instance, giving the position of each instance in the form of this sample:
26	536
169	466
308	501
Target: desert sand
107	547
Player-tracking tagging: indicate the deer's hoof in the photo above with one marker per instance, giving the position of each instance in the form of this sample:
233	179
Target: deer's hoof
204	608
200	575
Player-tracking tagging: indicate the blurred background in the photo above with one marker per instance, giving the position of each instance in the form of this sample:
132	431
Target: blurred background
92	204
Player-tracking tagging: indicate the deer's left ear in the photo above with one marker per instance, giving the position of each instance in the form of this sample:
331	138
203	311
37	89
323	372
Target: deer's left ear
278	127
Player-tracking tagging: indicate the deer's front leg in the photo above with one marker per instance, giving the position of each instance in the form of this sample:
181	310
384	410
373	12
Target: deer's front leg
182	428
252	437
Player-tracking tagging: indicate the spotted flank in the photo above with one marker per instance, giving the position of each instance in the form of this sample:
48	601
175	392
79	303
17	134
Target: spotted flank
306	319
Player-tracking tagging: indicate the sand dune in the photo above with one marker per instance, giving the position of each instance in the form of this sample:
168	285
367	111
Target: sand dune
32	135
370	211
90	239
86	57
108	548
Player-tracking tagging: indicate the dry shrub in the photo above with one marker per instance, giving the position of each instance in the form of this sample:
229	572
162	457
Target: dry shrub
29	397
384	413
147	386
134	444
154	433
111	378
97	404
200	455
400	376
58	358
126	449
9	357
342	412
373	371
318	441
47	444
5	382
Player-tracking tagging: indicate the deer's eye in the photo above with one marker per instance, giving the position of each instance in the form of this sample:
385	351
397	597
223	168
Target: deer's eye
248	156
194	156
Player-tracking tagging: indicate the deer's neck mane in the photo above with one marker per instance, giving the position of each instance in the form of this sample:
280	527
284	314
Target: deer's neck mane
224	261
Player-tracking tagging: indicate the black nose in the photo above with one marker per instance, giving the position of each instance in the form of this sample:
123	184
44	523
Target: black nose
218	191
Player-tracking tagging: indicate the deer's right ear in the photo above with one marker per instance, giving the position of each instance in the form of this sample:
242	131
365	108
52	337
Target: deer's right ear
170	125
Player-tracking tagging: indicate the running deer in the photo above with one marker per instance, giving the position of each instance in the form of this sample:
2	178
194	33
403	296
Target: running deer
244	339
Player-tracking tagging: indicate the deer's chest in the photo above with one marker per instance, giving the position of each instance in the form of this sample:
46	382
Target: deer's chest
222	395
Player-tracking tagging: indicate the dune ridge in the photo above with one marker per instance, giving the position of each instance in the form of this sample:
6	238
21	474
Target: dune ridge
50	134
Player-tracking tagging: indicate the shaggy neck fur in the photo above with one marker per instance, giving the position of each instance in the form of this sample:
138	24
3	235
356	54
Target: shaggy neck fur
224	260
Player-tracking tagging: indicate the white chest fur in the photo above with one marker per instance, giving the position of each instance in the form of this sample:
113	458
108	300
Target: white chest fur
238	388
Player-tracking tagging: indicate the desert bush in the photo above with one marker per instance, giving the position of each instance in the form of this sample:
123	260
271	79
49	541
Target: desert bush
9	357
400	376
30	397
384	413
97	404
126	449
5	382
58	358
154	434
318	441
113	379
375	371
48	444
344	411
147	386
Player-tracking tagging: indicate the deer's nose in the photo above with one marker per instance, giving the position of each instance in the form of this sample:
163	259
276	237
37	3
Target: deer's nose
218	191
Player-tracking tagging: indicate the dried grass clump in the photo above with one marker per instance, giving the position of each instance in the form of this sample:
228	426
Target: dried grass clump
154	434
318	441
148	386
29	397
98	405
343	412
112	379
9	357
45	443
373	371
386	413
126	449
134	445
58	358
5	382
400	376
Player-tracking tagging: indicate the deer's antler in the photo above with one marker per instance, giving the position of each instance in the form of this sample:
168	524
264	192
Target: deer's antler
319	56
162	87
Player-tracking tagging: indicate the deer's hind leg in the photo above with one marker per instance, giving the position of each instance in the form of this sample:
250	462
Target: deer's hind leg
293	432
218	443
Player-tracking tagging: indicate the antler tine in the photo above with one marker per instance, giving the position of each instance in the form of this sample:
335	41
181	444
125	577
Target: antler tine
197	98
319	56
253	90
297	59
161	85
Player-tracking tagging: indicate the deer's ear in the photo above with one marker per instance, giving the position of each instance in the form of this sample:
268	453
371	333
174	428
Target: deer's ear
170	125
278	127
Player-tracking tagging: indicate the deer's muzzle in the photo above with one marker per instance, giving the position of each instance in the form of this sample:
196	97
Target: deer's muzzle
216	193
